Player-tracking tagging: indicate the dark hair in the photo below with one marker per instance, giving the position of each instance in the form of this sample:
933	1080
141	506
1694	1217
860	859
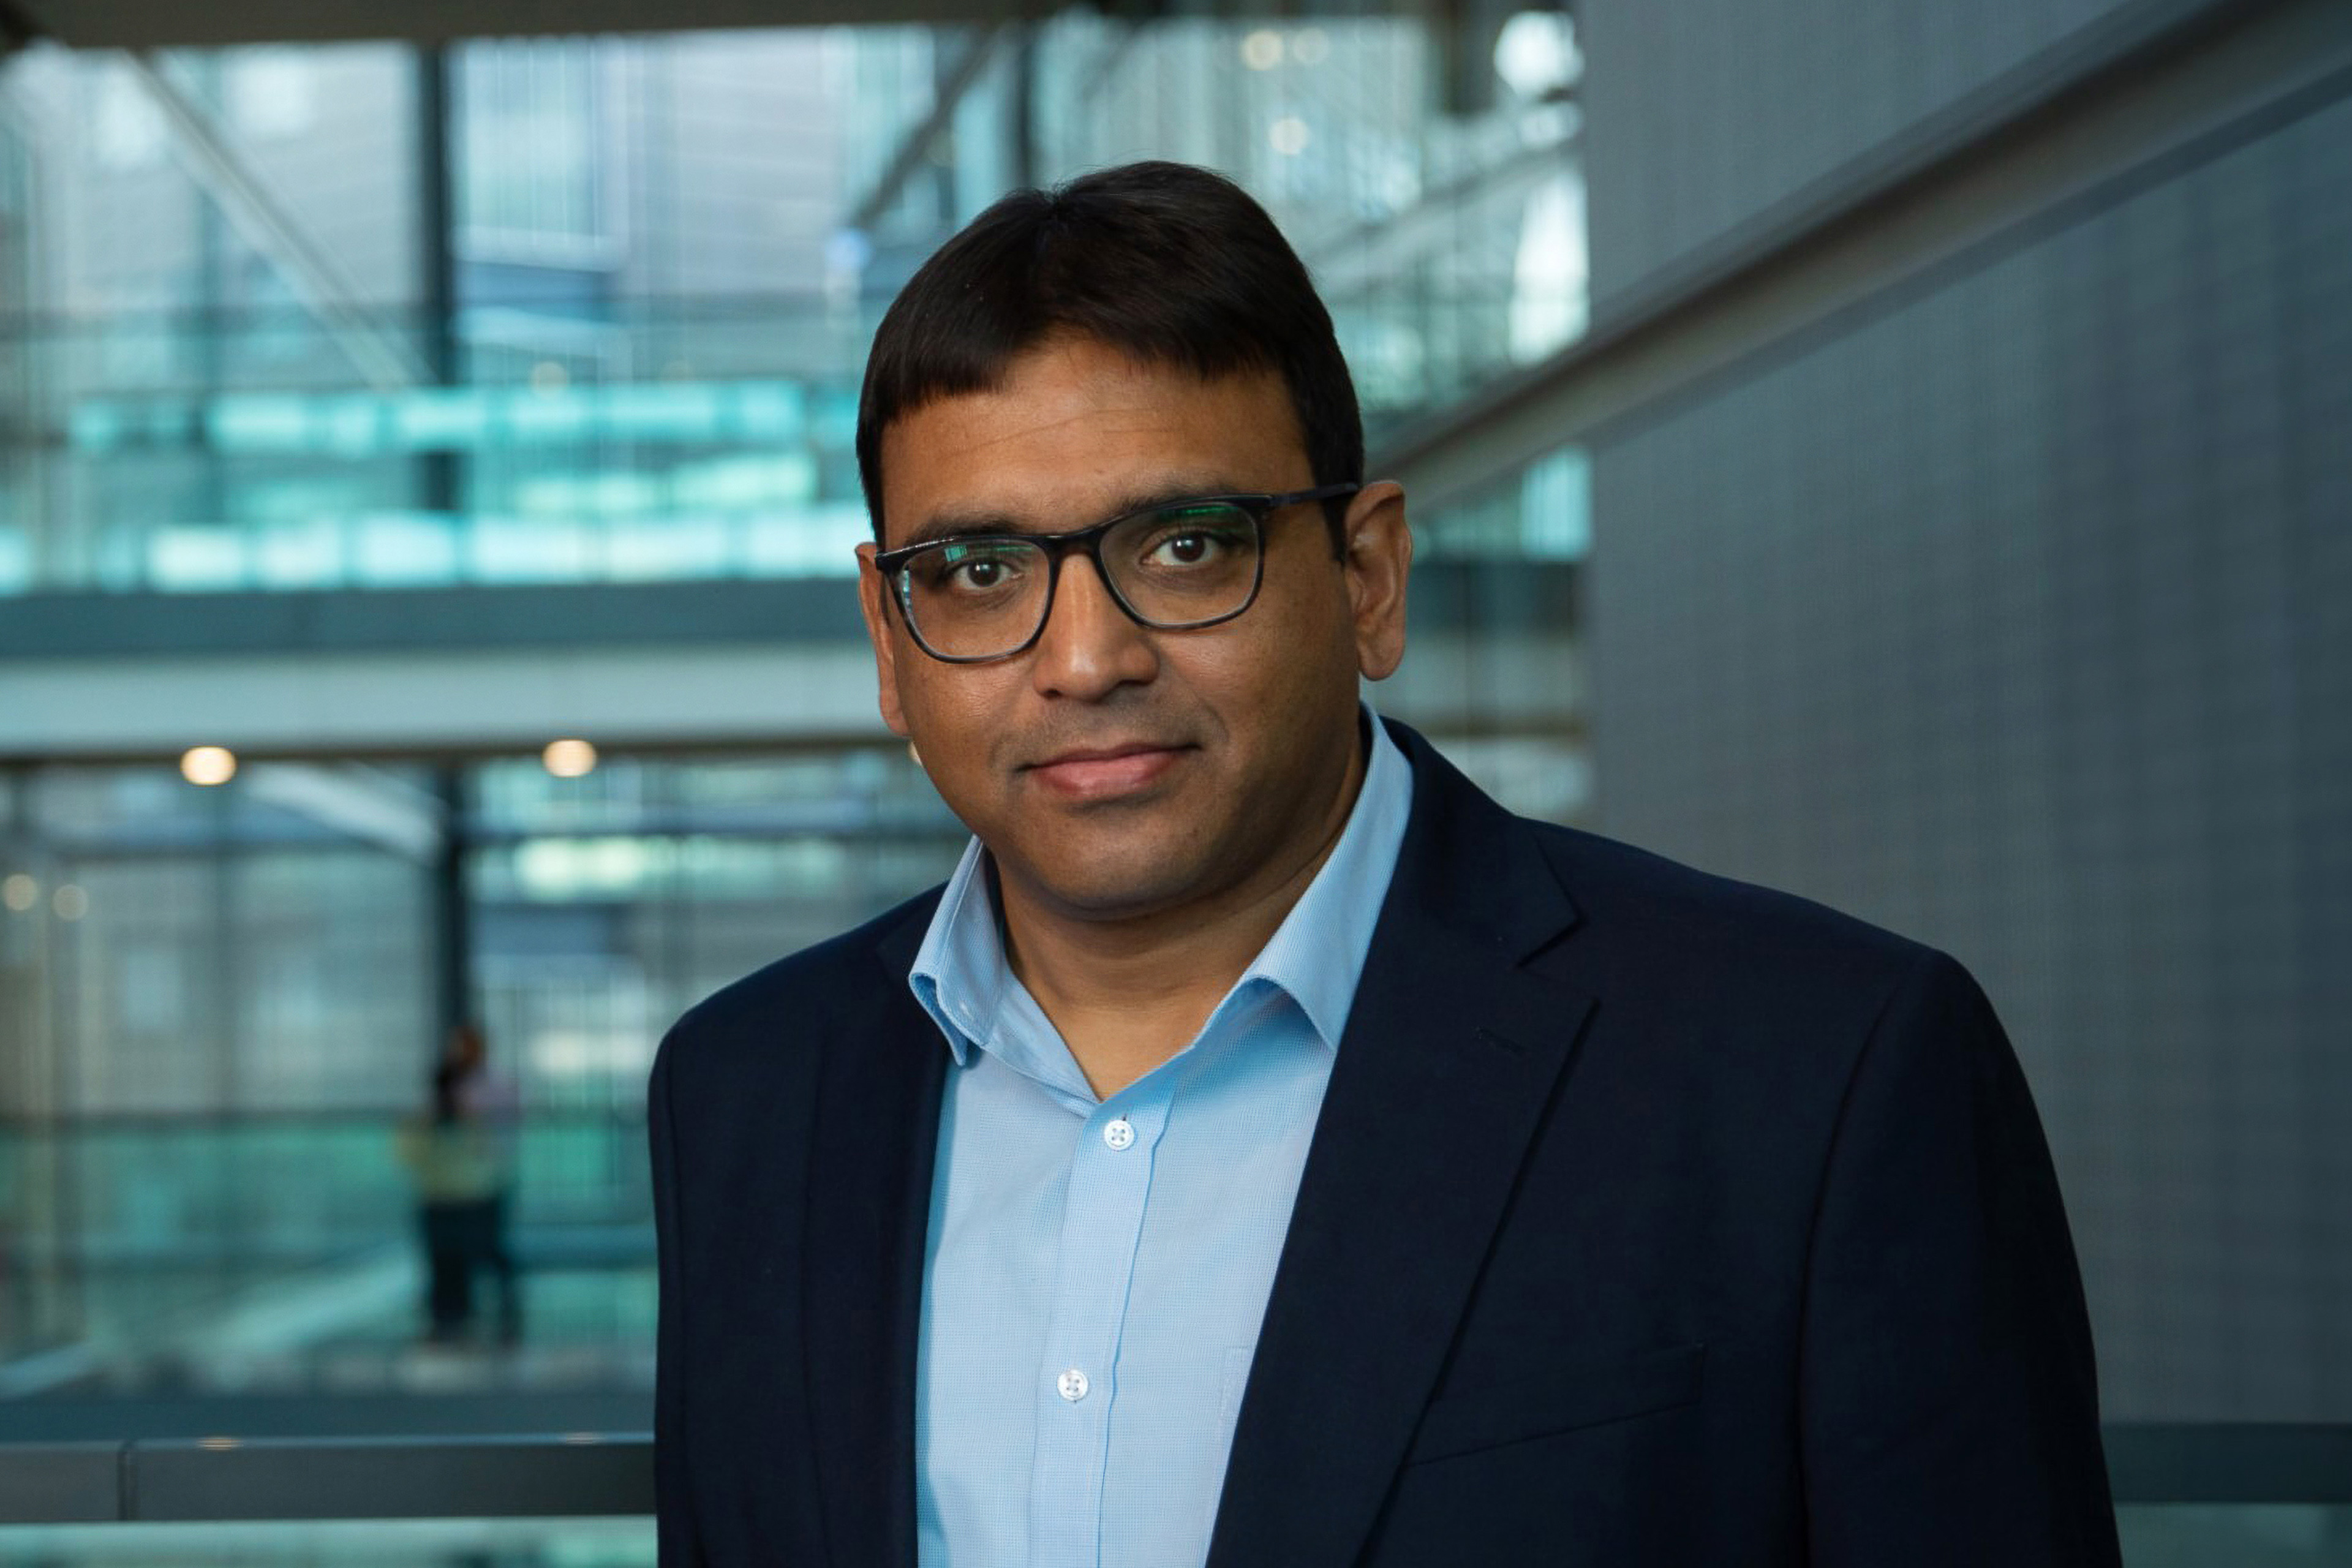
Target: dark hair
1172	265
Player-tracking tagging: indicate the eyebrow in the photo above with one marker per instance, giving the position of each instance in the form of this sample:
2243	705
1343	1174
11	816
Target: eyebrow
957	523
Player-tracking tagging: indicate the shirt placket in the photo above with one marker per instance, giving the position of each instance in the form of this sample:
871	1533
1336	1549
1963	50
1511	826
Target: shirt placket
1102	1226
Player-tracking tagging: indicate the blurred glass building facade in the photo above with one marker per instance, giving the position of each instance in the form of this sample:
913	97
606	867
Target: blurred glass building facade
526	349
1922	491
256	349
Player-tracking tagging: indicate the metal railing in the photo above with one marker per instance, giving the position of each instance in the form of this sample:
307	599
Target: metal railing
605	1474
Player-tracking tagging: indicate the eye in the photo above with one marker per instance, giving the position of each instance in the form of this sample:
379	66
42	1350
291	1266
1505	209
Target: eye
1202	537
1184	548
971	569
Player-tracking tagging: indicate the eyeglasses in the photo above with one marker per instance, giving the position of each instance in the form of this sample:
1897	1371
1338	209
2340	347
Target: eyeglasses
1177	566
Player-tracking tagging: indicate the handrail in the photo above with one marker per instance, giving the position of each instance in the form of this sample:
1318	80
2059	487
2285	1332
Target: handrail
221	1480
605	1475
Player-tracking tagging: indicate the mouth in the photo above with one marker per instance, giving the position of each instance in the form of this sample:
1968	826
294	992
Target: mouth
1106	772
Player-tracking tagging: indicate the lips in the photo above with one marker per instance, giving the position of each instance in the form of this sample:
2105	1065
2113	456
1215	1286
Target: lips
1106	772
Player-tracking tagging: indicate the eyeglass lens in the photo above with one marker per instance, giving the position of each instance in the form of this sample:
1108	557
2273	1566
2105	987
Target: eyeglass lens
1180	566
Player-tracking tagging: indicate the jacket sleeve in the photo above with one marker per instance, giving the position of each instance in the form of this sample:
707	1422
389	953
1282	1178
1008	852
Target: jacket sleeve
681	1546
1949	1404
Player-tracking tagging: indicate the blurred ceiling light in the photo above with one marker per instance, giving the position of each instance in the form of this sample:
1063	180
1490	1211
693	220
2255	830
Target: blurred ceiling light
549	376
1289	136
1309	45
569	759
20	892
71	902
1261	50
1536	53
208	765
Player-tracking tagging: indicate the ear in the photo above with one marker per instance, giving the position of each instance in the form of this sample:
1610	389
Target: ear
882	631
1378	559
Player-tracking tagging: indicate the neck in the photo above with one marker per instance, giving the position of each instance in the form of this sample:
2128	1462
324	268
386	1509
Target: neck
1127	994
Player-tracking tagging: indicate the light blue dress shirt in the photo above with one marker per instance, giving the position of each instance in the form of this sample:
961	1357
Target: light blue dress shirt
1097	1270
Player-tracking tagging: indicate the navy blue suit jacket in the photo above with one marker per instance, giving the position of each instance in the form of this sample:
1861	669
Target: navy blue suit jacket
1651	1219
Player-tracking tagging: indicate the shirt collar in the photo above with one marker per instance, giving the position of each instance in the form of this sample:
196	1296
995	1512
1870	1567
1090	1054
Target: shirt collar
960	972
1315	956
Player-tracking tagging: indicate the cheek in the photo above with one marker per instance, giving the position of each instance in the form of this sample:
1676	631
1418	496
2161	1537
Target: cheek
1298	646
1271	688
956	721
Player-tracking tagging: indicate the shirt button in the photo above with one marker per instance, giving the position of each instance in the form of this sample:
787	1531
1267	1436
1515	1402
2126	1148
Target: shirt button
1072	1384
1119	1133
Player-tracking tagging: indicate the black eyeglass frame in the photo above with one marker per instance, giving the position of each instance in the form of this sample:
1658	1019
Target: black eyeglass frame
892	564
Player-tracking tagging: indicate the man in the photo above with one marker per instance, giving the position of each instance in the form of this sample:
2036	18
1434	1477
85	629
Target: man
1265	1149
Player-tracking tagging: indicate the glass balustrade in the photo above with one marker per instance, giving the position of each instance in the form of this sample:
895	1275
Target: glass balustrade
373	1544
277	1255
227	452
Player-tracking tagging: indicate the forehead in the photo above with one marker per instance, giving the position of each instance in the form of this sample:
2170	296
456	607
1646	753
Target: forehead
1076	427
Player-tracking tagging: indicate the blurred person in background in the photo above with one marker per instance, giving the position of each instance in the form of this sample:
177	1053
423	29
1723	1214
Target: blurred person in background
1265	1149
460	1156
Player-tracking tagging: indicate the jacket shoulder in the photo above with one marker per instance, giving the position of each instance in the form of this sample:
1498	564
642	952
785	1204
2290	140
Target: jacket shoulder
805	989
1645	913
1747	997
1642	916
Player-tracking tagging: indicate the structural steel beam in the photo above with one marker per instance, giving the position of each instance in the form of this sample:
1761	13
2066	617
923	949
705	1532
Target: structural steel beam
169	24
213	161
915	147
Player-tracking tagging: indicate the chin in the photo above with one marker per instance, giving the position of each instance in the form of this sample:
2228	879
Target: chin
1103	888
1096	898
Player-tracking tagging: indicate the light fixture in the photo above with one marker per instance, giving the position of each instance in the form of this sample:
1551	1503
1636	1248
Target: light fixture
568	758
1536	57
20	891
1289	136
69	901
1262	49
208	765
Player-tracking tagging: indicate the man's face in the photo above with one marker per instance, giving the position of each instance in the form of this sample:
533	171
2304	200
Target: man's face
1116	771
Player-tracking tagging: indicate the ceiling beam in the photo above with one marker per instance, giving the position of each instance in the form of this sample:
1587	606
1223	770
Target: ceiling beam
173	24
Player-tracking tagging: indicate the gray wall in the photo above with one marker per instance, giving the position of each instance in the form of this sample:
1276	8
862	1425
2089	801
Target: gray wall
1701	114
2010	606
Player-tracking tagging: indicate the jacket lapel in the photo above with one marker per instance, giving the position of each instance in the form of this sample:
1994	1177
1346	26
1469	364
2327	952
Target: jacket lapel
876	1130
1451	1052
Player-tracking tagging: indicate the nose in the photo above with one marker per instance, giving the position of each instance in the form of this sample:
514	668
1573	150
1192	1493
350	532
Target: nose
1090	647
